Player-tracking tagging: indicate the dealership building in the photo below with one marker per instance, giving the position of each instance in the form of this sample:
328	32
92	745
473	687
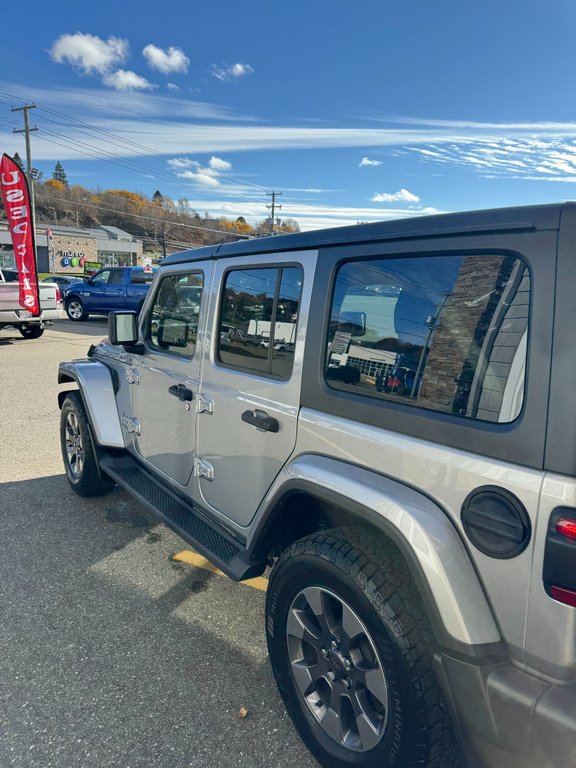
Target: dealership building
72	250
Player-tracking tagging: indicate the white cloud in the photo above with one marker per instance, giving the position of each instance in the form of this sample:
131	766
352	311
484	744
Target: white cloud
172	87
126	80
204	178
89	53
172	60
182	162
217	164
234	72
366	161
402	195
308	216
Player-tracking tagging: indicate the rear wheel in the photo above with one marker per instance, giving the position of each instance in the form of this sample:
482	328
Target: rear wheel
75	310
31	331
78	454
351	651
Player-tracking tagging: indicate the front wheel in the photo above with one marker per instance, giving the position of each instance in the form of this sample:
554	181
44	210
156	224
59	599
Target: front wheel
351	651
75	310
78	454
31	331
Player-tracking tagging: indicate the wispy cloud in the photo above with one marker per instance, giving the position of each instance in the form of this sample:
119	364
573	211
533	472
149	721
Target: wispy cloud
366	161
234	72
546	159
543	151
172	60
402	195
90	54
308	216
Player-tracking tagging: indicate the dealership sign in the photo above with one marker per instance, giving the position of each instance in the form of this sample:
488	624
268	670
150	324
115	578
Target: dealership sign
16	200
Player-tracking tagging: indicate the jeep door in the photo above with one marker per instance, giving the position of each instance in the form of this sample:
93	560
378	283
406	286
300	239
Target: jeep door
250	391
166	377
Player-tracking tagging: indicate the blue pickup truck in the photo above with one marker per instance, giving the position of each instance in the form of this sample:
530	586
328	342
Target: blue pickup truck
110	289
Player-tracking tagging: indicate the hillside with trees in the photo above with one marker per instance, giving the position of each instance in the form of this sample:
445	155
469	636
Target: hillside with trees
164	225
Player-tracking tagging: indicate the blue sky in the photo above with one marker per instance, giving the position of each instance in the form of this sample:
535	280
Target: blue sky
354	111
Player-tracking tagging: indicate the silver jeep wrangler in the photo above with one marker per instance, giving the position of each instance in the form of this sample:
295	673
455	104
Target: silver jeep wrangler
395	443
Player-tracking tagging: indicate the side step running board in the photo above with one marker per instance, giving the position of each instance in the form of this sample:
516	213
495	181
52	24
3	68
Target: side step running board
187	521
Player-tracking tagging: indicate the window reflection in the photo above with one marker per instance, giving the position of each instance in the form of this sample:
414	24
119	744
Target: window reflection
443	333
173	324
258	319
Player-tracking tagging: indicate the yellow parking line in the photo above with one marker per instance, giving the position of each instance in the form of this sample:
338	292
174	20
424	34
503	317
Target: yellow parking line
192	558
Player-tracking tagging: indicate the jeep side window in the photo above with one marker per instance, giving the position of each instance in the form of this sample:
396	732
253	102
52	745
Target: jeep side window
173	318
445	333
258	319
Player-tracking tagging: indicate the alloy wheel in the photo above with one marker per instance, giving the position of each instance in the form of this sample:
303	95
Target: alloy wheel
74	446
336	669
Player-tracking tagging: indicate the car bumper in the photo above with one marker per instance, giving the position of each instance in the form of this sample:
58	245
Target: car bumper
511	719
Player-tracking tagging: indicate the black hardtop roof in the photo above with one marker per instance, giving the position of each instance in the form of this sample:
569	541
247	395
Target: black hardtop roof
527	218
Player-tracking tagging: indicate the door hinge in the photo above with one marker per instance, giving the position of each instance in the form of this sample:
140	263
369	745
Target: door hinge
132	425
204	404
203	469
132	375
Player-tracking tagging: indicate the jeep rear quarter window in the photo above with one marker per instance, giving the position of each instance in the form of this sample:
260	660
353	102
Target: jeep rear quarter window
258	319
445	333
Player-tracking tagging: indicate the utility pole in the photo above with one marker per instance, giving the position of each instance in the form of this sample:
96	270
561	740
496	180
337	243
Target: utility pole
273	207
27	131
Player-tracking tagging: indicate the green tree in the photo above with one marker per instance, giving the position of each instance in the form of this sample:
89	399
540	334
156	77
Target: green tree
158	197
60	174
18	160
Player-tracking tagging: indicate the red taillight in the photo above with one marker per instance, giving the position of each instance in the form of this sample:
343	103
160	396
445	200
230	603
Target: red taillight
566	527
566	596
58	297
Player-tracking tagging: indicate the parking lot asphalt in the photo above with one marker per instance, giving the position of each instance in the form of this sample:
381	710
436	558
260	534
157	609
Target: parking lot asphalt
113	653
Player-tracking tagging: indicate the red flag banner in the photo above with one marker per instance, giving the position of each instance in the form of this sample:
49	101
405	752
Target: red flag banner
16	199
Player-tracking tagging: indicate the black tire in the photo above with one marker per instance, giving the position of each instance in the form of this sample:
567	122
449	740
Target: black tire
75	309
78	452
31	331
366	695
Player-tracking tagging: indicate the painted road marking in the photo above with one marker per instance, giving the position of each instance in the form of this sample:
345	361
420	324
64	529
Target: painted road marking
192	558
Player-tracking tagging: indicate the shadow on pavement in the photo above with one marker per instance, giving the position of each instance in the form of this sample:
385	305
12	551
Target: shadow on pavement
94	326
112	654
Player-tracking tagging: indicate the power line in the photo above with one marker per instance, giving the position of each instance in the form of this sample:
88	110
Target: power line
138	166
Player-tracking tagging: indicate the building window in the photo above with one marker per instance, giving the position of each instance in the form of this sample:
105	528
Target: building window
7	256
